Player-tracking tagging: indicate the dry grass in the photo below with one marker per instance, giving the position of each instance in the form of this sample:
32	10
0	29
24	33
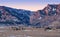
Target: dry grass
8	32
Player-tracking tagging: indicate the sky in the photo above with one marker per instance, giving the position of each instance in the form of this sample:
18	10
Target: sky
32	5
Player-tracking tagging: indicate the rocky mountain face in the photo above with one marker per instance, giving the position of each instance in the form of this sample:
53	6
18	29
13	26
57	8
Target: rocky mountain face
50	14
41	18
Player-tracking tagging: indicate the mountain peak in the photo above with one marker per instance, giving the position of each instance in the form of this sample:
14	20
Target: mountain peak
11	16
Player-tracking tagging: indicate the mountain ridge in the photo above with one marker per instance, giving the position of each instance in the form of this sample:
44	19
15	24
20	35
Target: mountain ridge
11	16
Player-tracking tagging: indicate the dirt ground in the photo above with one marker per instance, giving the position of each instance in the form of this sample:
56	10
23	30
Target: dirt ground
8	32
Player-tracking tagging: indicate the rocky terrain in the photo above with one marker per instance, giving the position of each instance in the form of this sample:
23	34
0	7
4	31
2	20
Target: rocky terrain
25	23
40	18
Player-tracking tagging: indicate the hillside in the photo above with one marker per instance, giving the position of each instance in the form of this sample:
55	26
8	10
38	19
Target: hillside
40	18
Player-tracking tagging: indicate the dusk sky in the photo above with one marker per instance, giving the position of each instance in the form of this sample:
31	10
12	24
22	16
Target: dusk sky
28	4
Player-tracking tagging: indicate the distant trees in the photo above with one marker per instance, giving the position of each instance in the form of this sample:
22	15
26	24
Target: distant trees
17	28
